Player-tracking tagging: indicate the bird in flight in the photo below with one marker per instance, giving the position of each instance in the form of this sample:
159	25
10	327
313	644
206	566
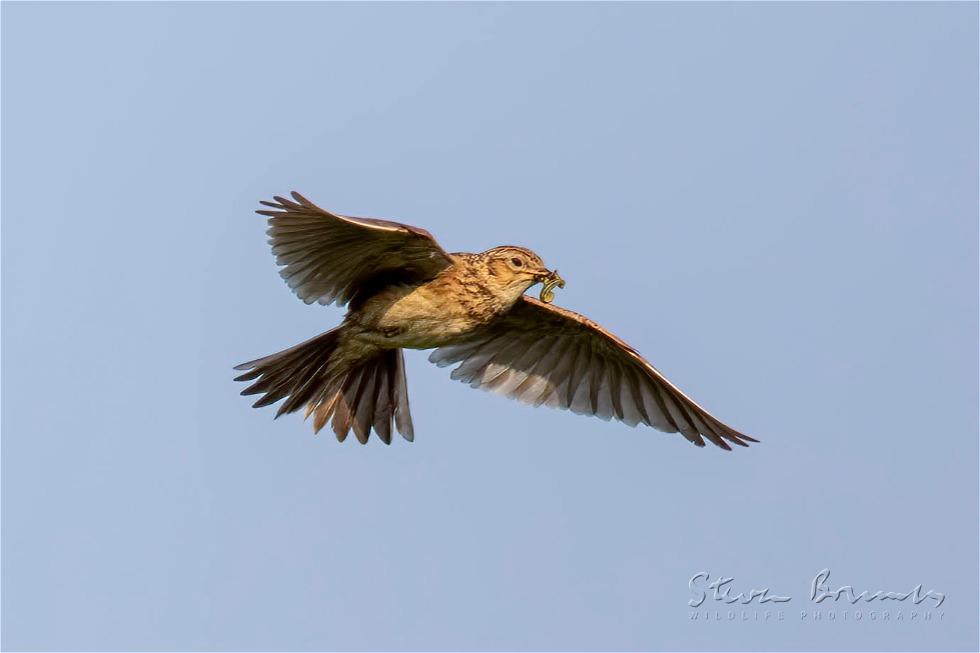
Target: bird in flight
403	291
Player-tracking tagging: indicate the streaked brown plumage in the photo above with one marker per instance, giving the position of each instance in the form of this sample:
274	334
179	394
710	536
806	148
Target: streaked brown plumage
404	291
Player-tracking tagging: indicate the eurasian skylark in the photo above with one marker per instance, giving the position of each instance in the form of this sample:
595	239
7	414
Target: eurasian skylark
404	291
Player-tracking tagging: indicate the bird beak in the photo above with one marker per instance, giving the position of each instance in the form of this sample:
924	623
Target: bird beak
551	281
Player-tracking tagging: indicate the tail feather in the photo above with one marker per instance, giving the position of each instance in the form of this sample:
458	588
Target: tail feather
340	421
369	392
383	407
364	411
403	416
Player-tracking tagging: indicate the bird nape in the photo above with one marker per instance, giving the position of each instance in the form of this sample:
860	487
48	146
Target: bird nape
403	291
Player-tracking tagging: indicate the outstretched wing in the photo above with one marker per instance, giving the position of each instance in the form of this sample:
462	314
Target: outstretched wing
326	257
545	355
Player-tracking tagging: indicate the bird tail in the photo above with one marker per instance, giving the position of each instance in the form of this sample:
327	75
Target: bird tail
349	386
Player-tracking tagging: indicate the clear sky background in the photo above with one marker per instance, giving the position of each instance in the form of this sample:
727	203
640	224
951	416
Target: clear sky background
776	203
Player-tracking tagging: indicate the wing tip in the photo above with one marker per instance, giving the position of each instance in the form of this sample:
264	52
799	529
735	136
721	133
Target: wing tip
734	436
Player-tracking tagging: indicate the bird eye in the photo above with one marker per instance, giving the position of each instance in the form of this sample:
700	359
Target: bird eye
516	262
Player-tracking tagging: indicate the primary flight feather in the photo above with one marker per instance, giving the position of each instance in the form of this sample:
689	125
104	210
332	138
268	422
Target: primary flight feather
403	291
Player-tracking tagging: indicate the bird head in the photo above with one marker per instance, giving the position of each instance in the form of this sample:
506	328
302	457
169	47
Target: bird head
512	270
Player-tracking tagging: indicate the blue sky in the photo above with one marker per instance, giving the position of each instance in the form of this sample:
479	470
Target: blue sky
776	203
